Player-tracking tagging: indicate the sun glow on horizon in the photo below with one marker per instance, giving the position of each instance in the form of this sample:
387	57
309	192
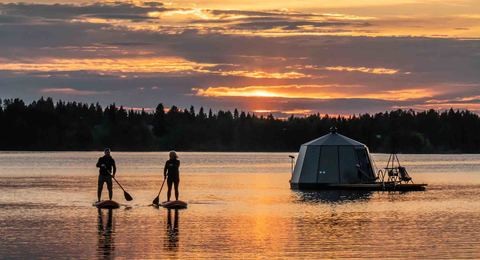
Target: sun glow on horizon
314	92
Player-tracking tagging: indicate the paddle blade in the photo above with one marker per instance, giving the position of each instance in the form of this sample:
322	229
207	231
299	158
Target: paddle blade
127	196
156	201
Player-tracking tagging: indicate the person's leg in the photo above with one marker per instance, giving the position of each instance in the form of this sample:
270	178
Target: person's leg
169	191
100	187
176	183
110	187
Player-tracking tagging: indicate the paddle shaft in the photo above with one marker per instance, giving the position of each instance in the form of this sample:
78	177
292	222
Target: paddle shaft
161	187
116	181
118	184
127	196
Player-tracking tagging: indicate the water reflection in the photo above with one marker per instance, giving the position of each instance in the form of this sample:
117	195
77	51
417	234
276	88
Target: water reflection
333	196
172	230
106	235
253	212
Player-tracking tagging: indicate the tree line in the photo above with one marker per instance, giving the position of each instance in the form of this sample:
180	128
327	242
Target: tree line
50	126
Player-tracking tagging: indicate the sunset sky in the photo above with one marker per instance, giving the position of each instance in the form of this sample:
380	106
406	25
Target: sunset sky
285	57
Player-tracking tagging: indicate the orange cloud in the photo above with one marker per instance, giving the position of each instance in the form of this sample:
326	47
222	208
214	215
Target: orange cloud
298	112
470	98
273	18
264	111
363	69
265	75
205	21
474	107
141	65
315	92
70	91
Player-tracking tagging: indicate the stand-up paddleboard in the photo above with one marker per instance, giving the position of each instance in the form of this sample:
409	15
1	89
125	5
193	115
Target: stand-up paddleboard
175	204
107	204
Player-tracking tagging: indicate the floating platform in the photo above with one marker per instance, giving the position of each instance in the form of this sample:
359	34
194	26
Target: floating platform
378	186
107	204
175	204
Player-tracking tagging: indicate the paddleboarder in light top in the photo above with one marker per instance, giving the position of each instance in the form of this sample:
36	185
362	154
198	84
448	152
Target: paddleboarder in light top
107	170
172	173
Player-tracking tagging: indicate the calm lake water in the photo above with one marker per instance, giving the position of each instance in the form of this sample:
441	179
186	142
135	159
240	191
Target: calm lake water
240	206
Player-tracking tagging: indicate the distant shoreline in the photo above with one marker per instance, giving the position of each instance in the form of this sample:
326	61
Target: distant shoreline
45	125
209	151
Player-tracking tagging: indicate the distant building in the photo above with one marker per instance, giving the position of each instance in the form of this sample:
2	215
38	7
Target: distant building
331	160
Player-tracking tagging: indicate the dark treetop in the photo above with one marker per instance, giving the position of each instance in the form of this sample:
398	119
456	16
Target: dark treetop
45	125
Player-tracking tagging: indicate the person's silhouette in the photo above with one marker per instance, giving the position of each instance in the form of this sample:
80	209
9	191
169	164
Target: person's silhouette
172	173
108	169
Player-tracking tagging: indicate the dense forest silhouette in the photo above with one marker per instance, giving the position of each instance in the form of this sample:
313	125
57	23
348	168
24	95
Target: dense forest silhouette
52	126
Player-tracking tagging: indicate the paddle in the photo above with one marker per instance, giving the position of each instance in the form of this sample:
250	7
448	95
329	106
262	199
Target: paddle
157	199
127	196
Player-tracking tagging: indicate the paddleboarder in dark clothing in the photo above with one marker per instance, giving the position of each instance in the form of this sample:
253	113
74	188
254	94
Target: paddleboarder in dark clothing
172	173
107	170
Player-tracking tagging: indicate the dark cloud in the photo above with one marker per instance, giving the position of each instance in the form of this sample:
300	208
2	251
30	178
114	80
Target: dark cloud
12	19
132	17
265	14
288	21
117	10
286	25
243	12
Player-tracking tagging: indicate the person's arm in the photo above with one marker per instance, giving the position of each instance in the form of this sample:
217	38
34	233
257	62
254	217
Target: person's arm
114	167
165	170
99	163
